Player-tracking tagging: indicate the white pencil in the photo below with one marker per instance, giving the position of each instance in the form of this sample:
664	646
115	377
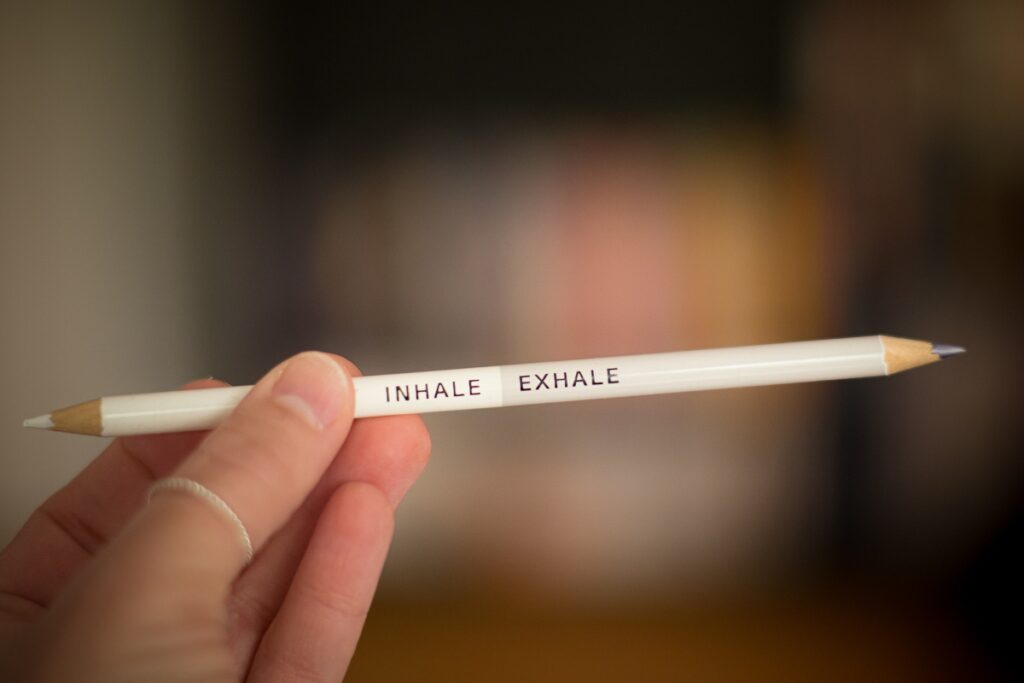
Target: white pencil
492	387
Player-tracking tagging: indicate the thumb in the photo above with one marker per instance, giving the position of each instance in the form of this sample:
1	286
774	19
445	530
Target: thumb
261	462
160	587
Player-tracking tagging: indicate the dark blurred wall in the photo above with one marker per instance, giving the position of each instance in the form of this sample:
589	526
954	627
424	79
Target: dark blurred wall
97	158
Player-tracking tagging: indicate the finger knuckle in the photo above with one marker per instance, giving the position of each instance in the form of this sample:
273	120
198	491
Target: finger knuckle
335	601
249	611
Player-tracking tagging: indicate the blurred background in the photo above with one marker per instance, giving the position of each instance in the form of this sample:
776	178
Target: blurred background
192	189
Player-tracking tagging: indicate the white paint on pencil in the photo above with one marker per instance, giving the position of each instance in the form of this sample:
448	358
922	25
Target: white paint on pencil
168	411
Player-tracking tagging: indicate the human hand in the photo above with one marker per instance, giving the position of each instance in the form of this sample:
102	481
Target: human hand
99	586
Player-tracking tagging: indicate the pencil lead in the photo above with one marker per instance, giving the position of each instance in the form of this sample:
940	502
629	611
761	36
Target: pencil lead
40	422
946	350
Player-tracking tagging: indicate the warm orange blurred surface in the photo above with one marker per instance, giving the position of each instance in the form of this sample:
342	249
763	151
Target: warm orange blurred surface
833	636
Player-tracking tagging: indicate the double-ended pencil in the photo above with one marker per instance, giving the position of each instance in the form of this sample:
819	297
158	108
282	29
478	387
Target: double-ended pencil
496	386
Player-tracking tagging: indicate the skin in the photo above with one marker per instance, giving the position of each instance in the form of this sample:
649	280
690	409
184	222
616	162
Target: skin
100	586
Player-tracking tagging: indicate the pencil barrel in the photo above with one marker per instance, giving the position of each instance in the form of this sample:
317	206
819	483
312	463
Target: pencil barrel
528	383
169	411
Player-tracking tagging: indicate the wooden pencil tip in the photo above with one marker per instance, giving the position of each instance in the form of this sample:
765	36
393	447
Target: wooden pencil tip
39	422
946	350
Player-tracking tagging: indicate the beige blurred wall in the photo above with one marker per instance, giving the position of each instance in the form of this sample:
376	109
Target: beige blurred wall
94	267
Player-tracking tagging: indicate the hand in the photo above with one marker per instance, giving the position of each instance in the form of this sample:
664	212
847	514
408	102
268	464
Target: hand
99	586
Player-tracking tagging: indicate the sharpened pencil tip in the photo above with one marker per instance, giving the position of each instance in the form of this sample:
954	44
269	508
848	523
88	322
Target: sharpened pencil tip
946	350
40	422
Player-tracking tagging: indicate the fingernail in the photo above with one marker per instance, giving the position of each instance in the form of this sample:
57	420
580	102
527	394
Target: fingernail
312	386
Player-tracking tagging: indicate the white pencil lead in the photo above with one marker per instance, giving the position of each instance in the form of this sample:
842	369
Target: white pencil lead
40	422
